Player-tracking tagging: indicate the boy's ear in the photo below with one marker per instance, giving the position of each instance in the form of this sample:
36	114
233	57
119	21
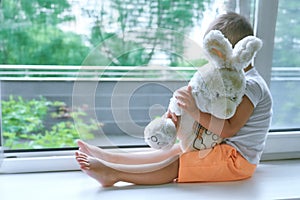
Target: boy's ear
218	48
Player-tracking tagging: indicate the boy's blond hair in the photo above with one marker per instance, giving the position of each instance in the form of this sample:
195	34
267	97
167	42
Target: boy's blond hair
234	27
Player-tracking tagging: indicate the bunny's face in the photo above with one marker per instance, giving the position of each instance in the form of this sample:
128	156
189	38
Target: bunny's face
226	98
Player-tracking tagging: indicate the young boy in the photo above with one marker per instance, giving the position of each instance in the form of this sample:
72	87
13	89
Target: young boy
235	159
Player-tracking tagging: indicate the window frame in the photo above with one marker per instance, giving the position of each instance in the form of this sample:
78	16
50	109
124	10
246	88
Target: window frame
264	26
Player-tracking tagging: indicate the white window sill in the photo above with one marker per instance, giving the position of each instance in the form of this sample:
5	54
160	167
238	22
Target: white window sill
272	180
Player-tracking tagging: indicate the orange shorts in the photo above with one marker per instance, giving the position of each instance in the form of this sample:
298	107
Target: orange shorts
223	163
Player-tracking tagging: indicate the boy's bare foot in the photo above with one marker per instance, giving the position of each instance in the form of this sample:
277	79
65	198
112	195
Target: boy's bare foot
95	169
90	149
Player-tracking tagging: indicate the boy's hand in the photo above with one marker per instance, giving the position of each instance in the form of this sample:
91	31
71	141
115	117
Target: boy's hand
172	116
187	102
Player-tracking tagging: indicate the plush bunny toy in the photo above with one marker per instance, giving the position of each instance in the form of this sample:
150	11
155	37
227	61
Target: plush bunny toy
218	89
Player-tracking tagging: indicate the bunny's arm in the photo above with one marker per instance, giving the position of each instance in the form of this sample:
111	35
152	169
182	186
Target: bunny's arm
224	128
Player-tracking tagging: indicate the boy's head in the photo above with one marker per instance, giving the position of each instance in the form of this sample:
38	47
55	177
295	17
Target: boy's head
233	26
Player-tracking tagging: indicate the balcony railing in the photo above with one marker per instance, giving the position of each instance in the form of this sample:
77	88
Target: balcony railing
117	73
285	74
95	73
145	91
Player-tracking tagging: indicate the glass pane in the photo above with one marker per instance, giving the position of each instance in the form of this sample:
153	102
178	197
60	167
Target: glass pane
285	82
39	111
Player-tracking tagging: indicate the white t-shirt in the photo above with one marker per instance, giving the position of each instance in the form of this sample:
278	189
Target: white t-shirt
250	140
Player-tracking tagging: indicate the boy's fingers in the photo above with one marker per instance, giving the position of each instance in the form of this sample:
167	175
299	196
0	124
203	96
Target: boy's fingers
174	117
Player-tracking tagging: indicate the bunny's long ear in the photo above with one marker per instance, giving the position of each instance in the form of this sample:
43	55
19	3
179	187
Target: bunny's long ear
244	51
218	48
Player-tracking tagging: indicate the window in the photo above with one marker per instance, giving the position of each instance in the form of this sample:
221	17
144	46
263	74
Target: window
285	82
40	103
95	62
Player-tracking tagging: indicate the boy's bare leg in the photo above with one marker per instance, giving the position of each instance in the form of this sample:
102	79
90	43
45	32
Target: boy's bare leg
136	174
129	158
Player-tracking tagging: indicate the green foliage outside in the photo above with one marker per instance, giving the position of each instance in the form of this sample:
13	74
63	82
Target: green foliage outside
29	34
32	31
23	124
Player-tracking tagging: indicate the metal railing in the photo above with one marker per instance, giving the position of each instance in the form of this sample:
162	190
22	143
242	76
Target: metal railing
117	73
95	73
285	73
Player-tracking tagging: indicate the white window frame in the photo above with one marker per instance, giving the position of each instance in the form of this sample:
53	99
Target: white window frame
279	145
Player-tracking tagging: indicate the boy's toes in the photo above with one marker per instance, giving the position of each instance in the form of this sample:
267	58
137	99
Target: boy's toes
80	154
82	160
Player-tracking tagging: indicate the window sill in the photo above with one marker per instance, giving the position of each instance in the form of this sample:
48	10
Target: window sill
272	180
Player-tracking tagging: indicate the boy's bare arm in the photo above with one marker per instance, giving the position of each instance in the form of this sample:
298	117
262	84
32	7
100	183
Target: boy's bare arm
225	128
